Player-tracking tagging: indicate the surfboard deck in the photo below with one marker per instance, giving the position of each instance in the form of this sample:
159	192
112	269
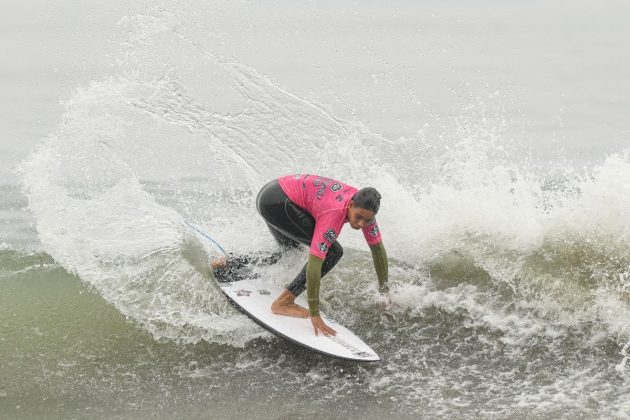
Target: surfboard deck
254	298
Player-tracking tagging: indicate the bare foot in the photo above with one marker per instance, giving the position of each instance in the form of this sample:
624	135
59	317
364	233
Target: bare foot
285	305
290	309
218	263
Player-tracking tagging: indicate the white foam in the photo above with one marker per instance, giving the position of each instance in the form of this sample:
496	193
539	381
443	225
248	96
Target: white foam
476	195
518	326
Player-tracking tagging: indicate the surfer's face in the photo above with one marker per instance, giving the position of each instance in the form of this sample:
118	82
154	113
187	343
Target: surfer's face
359	217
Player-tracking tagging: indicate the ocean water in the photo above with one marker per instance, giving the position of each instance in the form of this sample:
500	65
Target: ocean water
497	133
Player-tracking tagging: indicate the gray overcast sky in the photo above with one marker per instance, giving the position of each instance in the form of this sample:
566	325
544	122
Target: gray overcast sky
560	67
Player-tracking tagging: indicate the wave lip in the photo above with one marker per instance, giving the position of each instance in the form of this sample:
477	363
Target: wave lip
98	190
103	226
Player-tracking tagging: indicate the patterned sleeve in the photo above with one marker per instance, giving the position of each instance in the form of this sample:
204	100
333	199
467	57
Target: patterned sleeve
372	233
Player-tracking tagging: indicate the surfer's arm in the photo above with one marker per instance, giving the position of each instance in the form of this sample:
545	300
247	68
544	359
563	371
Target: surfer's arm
379	257
313	278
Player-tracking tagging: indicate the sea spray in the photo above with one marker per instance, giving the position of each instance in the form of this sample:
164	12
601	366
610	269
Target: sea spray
506	279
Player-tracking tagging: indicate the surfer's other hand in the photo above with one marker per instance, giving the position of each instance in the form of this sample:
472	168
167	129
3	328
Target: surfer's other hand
319	325
385	301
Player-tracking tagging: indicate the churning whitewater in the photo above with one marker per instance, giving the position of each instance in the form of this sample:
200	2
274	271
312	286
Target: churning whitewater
510	279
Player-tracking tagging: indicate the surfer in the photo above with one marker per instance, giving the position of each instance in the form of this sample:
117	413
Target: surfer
311	210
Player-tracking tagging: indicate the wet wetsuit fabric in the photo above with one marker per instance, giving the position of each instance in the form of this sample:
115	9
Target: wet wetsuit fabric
379	257
291	226
327	200
311	210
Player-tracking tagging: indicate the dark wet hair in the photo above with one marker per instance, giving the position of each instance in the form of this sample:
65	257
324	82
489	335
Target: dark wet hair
367	198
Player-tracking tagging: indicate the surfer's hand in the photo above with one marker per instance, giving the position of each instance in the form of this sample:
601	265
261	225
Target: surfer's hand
385	301
319	325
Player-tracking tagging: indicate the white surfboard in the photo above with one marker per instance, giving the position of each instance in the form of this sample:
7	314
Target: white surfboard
254	298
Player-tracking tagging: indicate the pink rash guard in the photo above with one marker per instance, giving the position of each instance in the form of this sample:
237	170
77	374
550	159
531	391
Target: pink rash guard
327	201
